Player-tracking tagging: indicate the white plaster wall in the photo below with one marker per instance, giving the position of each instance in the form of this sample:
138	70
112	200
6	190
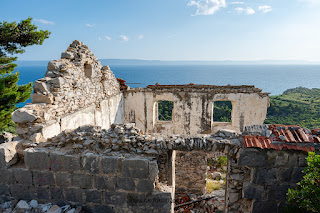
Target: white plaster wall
192	113
108	112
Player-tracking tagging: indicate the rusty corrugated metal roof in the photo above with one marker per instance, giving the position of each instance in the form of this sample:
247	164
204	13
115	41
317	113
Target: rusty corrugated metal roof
291	137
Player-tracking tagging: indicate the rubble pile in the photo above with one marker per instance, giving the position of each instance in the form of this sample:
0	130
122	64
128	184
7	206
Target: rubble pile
208	203
128	138
22	206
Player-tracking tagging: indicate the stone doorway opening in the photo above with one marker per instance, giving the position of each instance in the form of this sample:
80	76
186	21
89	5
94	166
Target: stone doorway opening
200	181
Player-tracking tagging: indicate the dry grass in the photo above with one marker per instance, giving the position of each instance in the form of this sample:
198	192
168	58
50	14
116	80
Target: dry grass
213	185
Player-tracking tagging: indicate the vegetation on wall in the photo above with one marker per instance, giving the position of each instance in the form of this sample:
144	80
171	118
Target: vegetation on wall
306	197
295	106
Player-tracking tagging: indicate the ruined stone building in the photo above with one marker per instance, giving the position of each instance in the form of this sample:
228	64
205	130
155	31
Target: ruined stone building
89	139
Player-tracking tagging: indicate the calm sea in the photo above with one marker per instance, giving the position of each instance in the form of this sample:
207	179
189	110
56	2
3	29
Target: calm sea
274	79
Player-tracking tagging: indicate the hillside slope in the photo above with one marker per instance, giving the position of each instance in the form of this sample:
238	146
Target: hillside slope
295	106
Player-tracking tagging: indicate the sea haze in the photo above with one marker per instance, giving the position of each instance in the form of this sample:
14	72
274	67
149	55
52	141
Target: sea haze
270	78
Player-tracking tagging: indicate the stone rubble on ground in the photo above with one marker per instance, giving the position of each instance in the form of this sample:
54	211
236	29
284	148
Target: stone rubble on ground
213	202
22	206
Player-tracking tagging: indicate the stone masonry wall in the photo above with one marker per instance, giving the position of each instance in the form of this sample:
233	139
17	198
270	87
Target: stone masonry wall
75	91
257	179
191	168
272	172
100	183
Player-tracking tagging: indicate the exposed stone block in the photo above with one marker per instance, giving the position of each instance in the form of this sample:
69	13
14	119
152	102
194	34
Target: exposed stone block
39	98
90	163
56	193
4	189
40	86
71	163
63	179
233	197
6	176
297	175
278	191
103	209
110	164
24	115
264	207
43	178
160	202
145	186
20	191
104	183
252	191
67	55
153	170
74	194
135	168
8	154
43	192
115	198
284	174
282	160
252	158
22	176
93	196
302	161
55	65
37	159
83	181
56	161
293	160
125	184
264	176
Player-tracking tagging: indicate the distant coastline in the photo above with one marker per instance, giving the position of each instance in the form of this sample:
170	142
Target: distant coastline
132	62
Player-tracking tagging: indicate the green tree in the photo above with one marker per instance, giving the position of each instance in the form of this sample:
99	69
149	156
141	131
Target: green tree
14	37
307	195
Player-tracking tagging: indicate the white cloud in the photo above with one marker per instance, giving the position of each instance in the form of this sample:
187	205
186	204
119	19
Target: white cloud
108	38
265	8
100	39
90	25
250	11
124	38
237	2
45	22
207	7
239	9
140	37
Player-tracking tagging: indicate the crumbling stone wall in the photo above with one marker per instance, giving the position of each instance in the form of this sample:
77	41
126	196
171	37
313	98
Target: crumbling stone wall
119	169
267	177
193	108
257	179
191	168
75	91
100	183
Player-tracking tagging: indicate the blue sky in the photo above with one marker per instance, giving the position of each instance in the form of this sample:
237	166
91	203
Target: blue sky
175	29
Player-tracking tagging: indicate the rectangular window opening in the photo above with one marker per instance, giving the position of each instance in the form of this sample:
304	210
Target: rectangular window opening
165	109
222	111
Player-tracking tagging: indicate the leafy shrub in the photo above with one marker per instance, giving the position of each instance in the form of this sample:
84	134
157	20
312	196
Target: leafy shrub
307	195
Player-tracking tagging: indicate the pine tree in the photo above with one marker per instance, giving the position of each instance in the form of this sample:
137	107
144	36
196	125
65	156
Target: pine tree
14	37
